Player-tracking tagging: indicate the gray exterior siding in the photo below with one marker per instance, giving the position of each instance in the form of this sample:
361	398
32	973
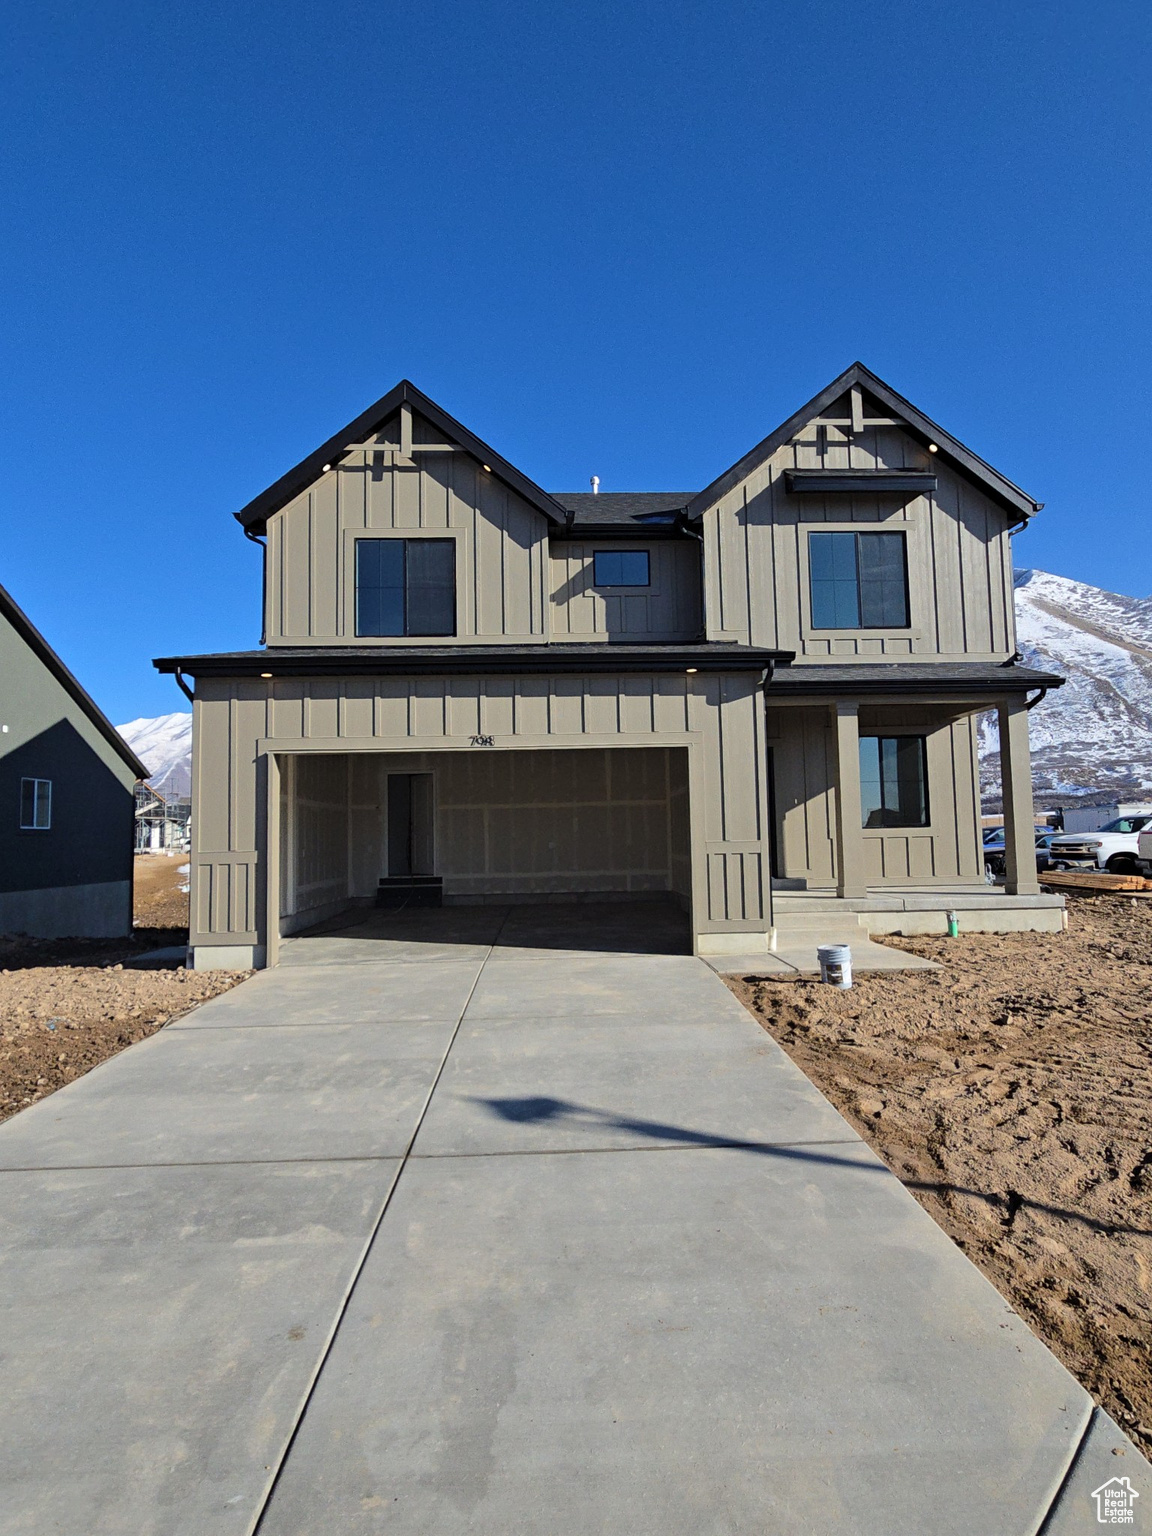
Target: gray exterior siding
501	547
959	556
670	608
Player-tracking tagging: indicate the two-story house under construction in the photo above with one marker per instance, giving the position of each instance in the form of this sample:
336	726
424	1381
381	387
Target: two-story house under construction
759	698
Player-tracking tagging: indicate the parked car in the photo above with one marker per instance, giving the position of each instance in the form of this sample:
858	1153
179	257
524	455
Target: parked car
1114	847
994	849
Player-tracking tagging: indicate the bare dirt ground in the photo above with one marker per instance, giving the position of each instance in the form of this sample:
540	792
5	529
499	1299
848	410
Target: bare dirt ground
161	890
68	1004
1011	1092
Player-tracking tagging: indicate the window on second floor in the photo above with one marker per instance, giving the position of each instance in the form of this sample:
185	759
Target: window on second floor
620	568
858	580
893	781
405	587
35	805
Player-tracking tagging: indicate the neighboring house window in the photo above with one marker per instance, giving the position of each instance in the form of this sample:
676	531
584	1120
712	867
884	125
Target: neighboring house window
620	568
35	805
405	586
893	781
859	580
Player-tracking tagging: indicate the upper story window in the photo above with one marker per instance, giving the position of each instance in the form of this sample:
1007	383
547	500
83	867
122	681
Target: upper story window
859	580
620	568
893	781
405	586
35	805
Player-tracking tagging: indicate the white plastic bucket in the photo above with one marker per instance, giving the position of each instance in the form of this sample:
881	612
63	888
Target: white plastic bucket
835	964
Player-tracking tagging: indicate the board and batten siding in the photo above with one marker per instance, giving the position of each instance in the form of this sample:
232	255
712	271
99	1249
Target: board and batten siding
669	608
801	739
240	723
959	555
501	557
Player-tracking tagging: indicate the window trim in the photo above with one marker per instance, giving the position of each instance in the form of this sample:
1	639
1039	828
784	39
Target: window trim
821	630
34	825
891	733
623	586
370	535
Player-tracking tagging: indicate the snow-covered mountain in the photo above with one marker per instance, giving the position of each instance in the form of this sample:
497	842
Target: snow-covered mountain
1095	733
163	745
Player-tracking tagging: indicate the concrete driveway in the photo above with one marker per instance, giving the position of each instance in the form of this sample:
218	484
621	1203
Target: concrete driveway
506	1221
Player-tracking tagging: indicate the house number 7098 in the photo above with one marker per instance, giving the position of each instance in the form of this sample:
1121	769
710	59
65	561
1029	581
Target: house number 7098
483	741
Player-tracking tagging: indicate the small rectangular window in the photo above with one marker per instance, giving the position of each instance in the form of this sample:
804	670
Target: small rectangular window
405	587
35	805
620	568
893	781
858	580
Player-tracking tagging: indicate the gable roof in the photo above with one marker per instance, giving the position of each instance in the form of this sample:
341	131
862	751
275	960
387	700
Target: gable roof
44	653
951	450
255	515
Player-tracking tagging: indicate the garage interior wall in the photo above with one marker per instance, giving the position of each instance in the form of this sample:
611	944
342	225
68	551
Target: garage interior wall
542	823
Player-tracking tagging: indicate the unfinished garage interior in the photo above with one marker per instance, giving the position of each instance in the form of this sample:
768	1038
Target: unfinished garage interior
430	828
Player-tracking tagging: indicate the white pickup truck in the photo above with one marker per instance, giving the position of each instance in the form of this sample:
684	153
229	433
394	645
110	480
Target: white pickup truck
1116	846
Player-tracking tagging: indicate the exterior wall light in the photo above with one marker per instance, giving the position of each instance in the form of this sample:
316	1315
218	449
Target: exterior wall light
327	467
487	468
265	674
932	448
692	669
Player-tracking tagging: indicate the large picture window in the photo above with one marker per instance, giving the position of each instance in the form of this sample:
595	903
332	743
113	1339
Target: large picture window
893	781
405	586
858	580
35	805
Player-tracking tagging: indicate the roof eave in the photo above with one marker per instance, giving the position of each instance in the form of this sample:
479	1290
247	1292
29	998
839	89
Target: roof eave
951	450
254	517
585	658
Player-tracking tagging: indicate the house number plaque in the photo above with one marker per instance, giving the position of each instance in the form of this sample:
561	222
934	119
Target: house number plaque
483	741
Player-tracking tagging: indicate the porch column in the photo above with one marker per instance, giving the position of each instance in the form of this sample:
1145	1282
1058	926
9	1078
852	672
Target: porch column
850	879
1019	816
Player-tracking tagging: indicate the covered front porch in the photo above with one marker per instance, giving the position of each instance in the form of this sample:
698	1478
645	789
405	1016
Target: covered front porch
876	802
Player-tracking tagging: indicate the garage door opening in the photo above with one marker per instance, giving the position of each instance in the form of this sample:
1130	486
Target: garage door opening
389	832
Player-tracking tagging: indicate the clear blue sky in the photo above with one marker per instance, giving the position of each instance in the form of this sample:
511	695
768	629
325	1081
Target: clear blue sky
624	239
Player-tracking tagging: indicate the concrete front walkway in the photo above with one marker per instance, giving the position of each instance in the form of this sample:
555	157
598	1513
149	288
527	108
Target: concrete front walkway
508	1222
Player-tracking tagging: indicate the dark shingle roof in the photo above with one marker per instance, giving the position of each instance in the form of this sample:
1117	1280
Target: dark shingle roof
629	508
909	677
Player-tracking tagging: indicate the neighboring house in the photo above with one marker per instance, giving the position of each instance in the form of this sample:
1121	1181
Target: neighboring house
67	784
162	823
760	698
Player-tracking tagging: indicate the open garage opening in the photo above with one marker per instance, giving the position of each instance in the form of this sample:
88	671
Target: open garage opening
392	832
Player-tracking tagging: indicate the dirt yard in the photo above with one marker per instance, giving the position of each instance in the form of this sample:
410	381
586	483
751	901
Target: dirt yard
68	1004
1011	1091
161	890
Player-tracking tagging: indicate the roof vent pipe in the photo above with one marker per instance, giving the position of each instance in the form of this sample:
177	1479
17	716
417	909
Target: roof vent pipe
595	484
